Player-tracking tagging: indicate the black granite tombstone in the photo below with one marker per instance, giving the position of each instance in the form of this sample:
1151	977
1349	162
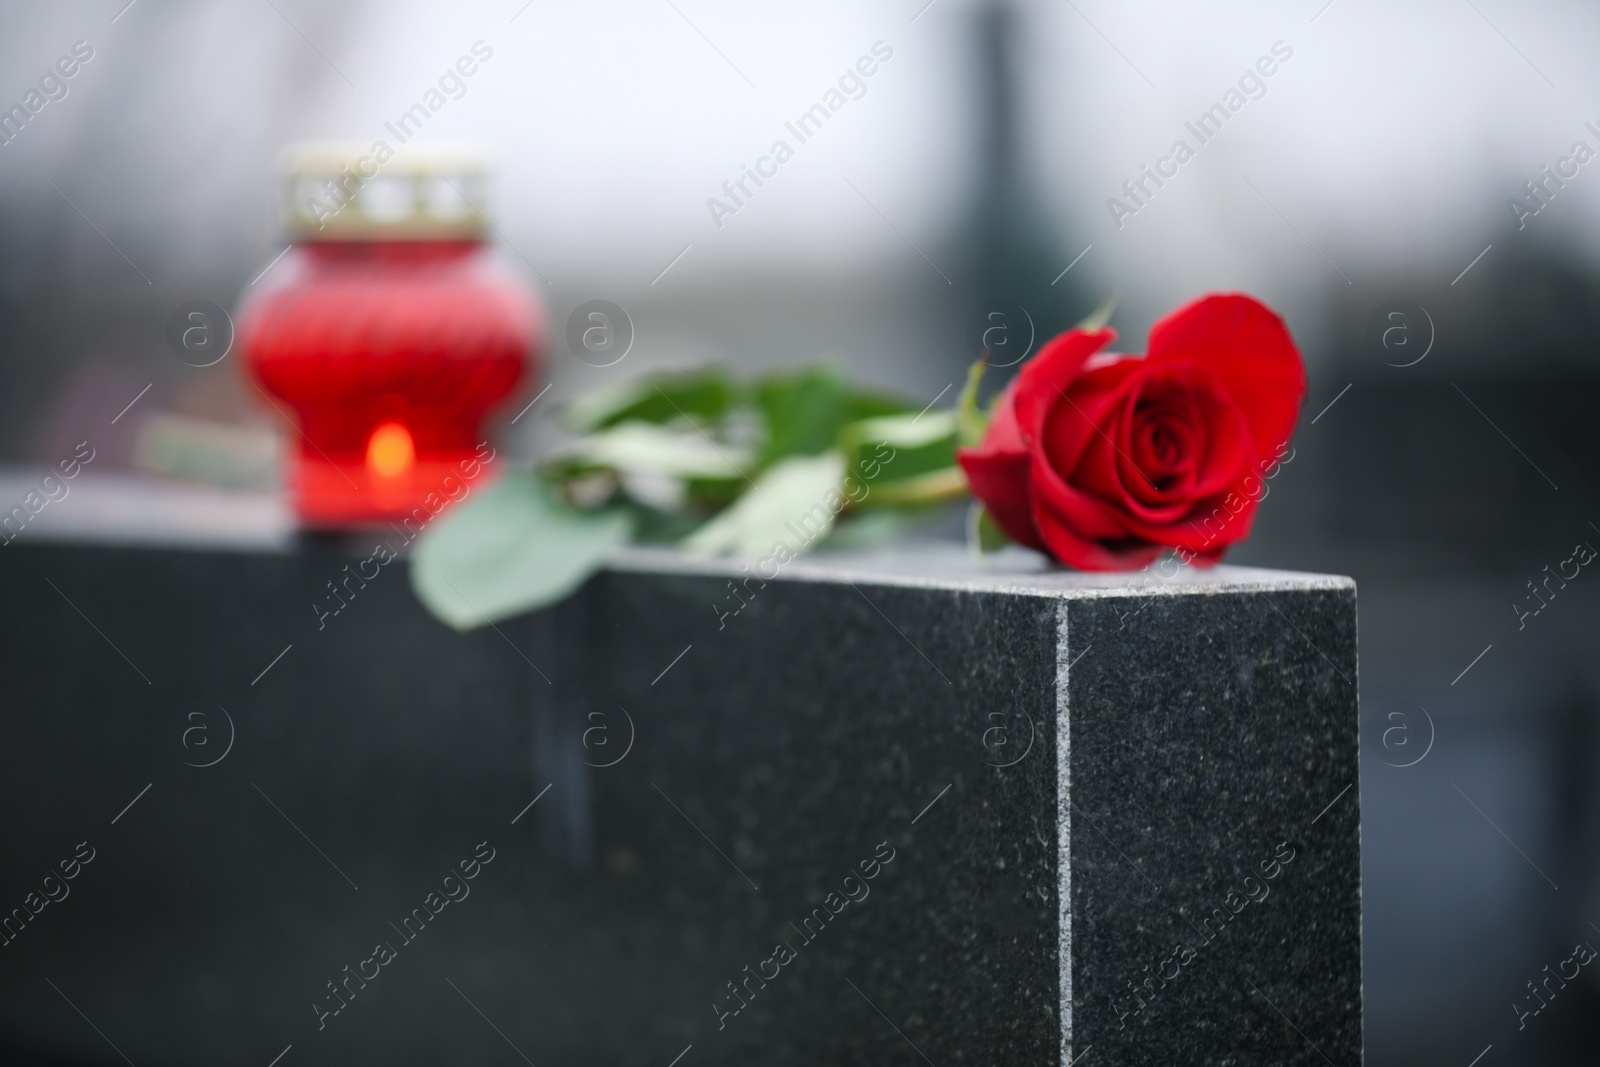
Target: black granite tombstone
870	811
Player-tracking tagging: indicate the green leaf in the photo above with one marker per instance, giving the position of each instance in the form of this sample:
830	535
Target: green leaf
905	431
790	503
803	410
868	404
643	448
899	447
1100	315
705	395
511	548
972	421
984	535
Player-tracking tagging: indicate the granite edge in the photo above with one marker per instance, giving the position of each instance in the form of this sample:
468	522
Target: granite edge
1063	736
1054	583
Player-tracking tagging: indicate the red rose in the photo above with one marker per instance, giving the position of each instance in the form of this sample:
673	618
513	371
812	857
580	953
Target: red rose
1104	461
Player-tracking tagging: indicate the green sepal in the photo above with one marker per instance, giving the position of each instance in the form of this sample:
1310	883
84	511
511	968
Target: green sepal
984	535
1100	315
972	422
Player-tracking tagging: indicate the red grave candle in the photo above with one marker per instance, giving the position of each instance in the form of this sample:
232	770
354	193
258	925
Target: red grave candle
388	333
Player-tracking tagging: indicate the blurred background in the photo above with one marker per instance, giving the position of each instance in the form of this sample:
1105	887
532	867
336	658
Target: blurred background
1446	458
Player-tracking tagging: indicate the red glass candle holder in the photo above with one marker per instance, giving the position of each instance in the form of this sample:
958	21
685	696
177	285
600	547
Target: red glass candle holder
389	334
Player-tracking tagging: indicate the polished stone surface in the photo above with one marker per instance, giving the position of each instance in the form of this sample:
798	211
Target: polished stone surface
1055	781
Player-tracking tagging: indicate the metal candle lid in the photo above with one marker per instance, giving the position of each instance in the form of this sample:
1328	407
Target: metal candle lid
344	192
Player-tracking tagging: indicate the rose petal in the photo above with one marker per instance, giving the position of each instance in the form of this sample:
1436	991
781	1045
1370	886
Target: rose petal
1077	418
997	472
1136	483
1213	526
1080	530
1045	378
1163	443
1000	480
1249	348
1003	434
1106	470
1103	471
1225	449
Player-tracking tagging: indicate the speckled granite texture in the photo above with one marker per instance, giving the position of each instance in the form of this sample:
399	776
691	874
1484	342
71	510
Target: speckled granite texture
1214	819
890	811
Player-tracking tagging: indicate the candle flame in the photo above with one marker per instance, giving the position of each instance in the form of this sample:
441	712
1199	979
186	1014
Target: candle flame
390	452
